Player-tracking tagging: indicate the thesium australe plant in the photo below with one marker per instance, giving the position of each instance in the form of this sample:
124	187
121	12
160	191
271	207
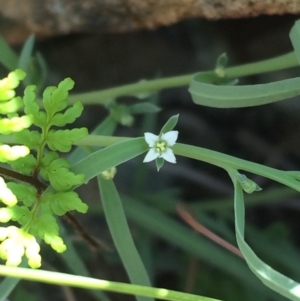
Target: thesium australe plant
38	179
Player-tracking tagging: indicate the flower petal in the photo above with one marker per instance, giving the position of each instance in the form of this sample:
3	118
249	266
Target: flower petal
151	155
151	139
170	137
168	155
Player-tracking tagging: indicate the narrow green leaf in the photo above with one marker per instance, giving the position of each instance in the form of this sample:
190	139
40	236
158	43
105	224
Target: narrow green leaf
144	108
177	234
222	61
271	278
159	163
248	185
99	161
7	286
8	58
170	124
106	127
26	54
41	73
121	235
210	95
295	39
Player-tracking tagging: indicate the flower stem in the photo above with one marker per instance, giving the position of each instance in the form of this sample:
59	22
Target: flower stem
101	97
98	284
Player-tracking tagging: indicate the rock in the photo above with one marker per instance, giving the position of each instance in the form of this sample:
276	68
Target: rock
47	18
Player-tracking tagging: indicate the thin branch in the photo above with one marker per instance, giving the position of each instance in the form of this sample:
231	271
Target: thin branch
191	220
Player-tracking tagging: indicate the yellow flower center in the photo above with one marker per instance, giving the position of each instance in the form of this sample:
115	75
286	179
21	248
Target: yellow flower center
161	146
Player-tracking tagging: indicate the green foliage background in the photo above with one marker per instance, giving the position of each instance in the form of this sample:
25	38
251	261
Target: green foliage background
173	254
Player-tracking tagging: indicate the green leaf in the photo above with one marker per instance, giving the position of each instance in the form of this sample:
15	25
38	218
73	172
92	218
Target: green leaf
6	195
43	224
62	202
144	108
170	124
31	139
222	61
248	185
21	214
9	83
24	193
270	277
99	161
15	124
24	165
40	75
121	235
59	175
69	116
8	58
55	98
8	284
26	54
159	163
46	227
48	158
56	242
121	113
169	229
11	106
31	107
11	153
217	96
62	140
294	36
106	127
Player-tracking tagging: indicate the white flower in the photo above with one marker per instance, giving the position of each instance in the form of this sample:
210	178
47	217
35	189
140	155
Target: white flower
160	146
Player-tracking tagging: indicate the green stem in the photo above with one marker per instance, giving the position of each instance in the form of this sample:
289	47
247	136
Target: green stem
274	64
226	162
211	157
101	97
97	284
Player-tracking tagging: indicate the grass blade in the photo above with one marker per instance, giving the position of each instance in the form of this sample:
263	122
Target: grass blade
8	58
121	235
270	277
